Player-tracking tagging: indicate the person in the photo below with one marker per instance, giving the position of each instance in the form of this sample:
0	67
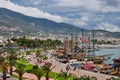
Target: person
67	68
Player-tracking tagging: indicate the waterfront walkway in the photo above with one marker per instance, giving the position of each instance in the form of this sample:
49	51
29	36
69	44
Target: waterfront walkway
59	66
79	72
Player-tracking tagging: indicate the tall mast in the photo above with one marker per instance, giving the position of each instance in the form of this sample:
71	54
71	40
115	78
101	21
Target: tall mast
71	42
82	40
89	43
93	40
66	44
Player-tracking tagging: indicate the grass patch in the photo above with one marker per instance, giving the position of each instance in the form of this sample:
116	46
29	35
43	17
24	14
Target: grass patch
53	75
23	61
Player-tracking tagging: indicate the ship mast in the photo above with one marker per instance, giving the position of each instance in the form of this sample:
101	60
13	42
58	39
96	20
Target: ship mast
93	41
82	40
72	42
89	44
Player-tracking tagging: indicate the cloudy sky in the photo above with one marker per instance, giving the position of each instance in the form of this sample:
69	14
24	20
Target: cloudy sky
89	14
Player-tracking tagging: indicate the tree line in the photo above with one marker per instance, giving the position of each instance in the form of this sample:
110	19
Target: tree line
36	43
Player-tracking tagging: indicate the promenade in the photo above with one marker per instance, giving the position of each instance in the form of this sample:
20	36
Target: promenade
59	66
79	72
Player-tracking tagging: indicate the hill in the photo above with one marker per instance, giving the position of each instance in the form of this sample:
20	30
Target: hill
14	23
17	23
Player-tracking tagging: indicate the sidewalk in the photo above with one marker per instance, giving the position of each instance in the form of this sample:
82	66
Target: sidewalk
29	76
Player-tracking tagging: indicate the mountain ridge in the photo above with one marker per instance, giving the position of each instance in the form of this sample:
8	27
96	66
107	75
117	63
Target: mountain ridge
21	24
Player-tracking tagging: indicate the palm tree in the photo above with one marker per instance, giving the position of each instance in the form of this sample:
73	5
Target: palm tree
37	71
47	68
38	53
20	69
2	59
64	75
3	66
4	69
12	60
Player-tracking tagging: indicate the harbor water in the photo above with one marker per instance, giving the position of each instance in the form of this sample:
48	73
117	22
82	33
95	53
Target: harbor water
109	58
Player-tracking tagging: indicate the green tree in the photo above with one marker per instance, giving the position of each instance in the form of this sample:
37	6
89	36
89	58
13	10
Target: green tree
64	75
37	71
47	68
12	59
4	69
20	69
3	66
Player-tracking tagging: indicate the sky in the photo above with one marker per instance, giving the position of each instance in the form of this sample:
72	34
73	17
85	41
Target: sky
88	14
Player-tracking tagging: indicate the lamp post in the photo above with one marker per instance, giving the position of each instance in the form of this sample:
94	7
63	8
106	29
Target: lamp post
78	73
55	69
78	70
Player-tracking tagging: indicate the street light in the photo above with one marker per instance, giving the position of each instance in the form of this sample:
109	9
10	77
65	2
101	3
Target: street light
79	66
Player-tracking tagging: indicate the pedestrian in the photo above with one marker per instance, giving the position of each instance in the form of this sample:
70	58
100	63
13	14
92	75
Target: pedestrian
67	68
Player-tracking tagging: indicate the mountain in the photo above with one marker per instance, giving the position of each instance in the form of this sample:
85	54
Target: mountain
13	23
22	24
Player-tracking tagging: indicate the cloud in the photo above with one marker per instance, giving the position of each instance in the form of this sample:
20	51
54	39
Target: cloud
93	5
35	2
27	2
112	2
29	11
87	13
90	5
110	9
84	18
79	22
108	27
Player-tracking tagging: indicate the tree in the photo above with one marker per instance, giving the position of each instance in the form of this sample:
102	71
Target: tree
37	71
47	68
38	53
2	59
12	59
20	69
4	69
64	75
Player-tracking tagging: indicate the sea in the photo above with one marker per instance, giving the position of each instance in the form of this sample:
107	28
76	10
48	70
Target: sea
110	54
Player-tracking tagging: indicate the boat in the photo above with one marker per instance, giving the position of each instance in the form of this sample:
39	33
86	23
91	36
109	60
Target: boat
91	49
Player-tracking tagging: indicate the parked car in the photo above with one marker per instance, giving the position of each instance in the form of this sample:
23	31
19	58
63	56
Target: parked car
61	59
73	66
